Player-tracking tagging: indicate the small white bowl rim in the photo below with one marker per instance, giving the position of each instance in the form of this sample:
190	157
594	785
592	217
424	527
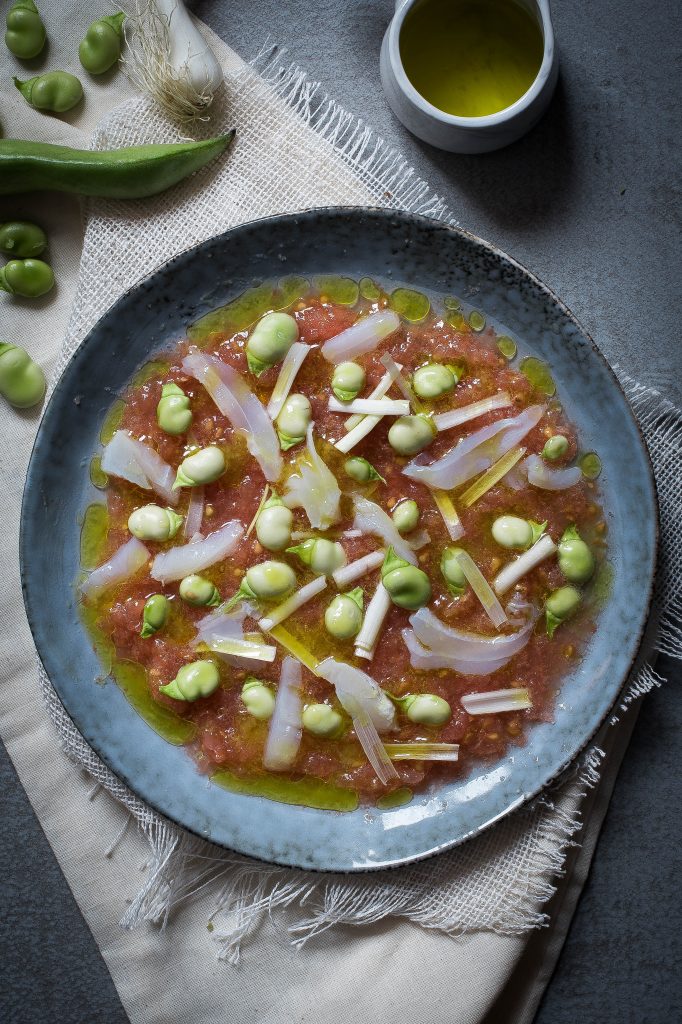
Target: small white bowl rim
486	120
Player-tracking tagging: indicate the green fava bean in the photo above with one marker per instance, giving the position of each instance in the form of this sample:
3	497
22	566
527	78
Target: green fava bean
55	91
270	340
321	555
25	35
101	47
199	591
151	522
348	380
425	708
28	278
198	679
173	413
258	699
434	380
274	523
265	581
202	467
361	470
405	516
155	614
452	571
343	616
555	447
22	240
293	420
408	586
410	435
22	382
576	561
515	533
559	606
322	720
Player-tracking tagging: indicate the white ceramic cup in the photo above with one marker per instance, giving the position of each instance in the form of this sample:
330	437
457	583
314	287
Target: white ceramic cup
467	134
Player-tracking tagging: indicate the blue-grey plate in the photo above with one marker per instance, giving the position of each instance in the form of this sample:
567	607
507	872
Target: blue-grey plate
394	247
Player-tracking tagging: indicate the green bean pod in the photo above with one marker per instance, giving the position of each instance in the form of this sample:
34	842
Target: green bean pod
101	47
25	35
129	173
55	91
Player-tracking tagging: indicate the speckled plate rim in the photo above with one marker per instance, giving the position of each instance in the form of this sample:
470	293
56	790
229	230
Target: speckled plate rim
45	651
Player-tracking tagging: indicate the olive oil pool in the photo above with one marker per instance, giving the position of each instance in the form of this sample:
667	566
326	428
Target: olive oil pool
471	58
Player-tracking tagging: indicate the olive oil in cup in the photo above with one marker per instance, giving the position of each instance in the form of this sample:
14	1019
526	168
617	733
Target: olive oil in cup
471	58
469	76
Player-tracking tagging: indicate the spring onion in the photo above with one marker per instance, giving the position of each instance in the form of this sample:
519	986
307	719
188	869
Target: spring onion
293	603
284	734
123	564
491	477
295	648
496	701
313	487
293	361
481	589
371	406
360	567
444	504
264	498
454	418
514	571
375	615
362	337
379	391
422	751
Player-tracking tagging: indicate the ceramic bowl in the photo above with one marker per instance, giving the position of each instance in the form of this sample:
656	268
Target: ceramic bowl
467	134
152	315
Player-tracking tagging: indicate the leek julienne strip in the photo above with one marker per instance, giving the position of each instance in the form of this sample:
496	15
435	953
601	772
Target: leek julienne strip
292	604
512	573
287	375
262	501
379	391
359	431
454	418
371	406
236	648
422	751
481	589
354	570
295	648
494	702
445	506
492	476
377	610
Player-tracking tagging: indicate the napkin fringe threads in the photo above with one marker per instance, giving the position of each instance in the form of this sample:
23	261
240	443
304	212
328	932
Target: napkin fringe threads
498	881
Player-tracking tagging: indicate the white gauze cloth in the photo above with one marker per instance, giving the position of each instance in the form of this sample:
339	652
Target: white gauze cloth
296	150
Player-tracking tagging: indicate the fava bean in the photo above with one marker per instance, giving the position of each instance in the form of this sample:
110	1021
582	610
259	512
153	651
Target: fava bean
559	606
274	523
55	91
343	617
22	382
270	340
174	413
405	515
555	447
576	561
361	470
293	420
198	679
258	699
22	240
151	522
322	720
411	434
425	708
202	467
28	278
452	571
265	581
101	47
199	591
321	555
434	380
408	586
515	533
25	35
155	614
348	380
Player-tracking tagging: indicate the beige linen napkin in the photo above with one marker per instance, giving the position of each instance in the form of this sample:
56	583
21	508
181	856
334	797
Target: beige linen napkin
497	882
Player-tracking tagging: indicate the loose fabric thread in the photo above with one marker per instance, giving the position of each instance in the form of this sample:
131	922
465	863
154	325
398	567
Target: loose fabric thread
500	880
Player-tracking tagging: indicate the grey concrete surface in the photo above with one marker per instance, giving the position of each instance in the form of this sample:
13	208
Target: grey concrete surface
590	202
